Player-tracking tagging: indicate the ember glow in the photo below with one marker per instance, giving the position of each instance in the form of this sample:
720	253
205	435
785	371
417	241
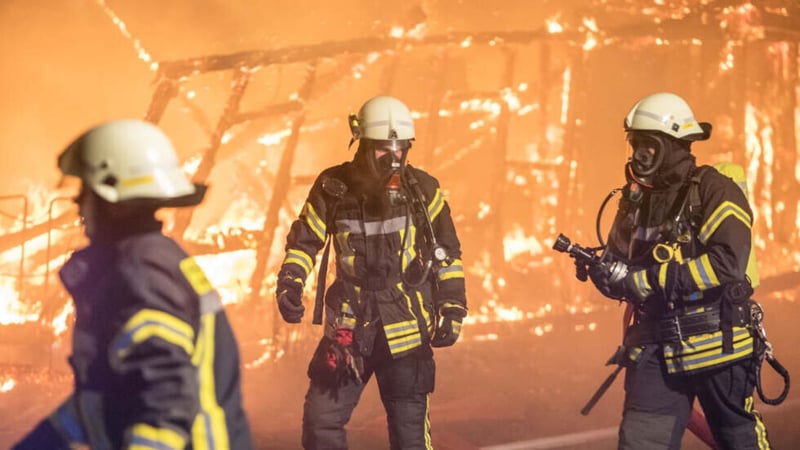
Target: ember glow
6	384
12	310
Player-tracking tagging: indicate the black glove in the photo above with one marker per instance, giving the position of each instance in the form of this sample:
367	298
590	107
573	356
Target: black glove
449	327
601	277
622	289
581	270
290	298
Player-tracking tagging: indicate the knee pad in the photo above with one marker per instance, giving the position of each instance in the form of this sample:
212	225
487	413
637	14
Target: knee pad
651	431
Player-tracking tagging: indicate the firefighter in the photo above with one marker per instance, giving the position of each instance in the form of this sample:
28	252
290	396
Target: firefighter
154	357
399	286
679	248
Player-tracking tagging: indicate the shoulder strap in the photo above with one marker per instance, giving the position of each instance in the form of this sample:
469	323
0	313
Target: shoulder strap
694	204
336	188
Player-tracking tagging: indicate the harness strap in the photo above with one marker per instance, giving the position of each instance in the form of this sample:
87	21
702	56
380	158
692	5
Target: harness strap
764	351
778	367
321	278
677	328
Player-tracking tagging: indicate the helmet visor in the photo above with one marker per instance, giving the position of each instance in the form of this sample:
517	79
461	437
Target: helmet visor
389	145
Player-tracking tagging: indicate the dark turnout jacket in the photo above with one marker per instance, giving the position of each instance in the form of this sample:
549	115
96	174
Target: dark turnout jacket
378	255
155	361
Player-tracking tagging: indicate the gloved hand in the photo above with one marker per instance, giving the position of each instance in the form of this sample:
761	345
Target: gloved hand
290	298
581	270
601	277
449	327
626	288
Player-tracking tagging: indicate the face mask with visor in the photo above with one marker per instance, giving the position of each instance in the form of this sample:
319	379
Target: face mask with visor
648	152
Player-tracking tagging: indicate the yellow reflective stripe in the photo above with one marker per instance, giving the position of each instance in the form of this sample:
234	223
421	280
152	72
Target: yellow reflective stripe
662	275
425	315
436	205
300	258
725	209
642	285
195	275
453	270
635	353
147	437
347	258
313	221
428	441
137	181
451	305
409	251
705	350
397	334
703	273
347	309
702	342
709	358
209	430
400	328
406	343
760	428
151	323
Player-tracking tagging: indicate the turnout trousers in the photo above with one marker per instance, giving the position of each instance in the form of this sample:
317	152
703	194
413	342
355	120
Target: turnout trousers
404	385
658	405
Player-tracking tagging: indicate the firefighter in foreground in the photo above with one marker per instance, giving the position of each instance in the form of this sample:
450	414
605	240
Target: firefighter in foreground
399	287
155	361
680	252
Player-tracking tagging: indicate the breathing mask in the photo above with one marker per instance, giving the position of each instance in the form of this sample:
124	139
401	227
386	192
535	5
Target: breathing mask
648	153
389	158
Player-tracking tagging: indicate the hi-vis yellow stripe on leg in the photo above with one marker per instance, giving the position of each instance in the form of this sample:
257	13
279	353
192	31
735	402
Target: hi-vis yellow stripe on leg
760	428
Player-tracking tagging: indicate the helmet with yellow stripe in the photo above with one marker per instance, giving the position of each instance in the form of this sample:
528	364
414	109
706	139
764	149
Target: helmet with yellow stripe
130	159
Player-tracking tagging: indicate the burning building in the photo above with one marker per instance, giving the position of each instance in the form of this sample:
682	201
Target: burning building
518	109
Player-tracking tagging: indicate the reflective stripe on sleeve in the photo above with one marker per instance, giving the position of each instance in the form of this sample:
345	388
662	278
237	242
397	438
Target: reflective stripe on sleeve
300	258
147	437
147	324
195	275
703	273
643	287
452	270
436	205
724	210
313	221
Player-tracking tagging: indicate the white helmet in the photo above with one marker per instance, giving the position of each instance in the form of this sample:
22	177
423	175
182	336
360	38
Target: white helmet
383	118
669	114
130	159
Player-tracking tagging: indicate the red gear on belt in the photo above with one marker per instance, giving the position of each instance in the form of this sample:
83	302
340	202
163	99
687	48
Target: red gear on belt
343	337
